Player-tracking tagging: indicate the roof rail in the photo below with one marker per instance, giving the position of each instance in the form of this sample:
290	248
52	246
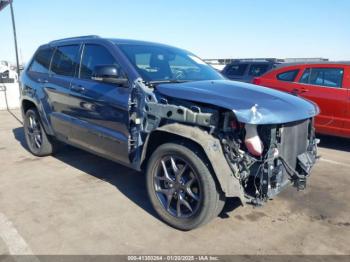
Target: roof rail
226	61
274	60
75	38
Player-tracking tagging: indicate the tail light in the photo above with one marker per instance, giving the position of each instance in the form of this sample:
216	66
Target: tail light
252	140
256	81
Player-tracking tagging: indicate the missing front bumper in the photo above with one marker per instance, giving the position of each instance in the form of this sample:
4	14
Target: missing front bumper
297	147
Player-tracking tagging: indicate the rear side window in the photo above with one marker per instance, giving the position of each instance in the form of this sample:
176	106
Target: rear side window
94	55
41	61
65	60
329	77
236	70
258	70
288	76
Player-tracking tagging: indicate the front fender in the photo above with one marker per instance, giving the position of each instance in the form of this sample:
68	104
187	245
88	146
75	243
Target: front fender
212	148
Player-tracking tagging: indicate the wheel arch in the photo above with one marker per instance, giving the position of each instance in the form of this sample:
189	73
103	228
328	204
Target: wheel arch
29	103
208	145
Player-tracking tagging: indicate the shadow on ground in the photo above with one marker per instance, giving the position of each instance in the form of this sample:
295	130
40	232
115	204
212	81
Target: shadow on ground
129	182
336	143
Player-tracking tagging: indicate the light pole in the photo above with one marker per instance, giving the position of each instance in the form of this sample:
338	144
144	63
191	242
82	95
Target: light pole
14	36
3	4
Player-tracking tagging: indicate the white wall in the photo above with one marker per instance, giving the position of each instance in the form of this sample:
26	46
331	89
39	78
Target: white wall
12	95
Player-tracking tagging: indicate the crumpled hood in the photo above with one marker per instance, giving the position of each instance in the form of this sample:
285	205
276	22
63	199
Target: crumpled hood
251	104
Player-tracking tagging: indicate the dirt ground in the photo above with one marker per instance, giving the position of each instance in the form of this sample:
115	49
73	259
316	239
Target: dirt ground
78	203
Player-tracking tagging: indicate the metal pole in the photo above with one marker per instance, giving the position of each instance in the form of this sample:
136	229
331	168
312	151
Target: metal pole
15	37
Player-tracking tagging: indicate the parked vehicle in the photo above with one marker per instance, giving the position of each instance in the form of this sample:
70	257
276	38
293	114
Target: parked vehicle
326	84
152	107
244	70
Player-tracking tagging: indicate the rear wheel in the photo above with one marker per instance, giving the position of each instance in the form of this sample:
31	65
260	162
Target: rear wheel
181	187
38	141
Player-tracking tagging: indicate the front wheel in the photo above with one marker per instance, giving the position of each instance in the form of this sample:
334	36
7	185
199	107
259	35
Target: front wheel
181	187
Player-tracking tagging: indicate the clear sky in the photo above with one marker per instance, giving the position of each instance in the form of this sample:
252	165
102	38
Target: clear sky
211	29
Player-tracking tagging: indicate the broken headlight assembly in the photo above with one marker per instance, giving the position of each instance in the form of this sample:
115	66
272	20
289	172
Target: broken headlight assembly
267	158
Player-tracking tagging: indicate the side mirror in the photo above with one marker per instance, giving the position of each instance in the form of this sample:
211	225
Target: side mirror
109	74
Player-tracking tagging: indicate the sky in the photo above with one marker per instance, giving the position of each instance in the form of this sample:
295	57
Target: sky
210	29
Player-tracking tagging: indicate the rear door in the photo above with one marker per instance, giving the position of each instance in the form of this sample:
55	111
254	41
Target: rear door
38	72
101	110
324	86
282	79
63	68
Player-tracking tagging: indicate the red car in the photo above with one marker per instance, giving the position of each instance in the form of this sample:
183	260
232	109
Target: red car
326	84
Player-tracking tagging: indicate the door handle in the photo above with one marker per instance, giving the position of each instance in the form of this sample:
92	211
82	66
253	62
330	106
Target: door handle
43	81
77	88
294	91
303	90
297	91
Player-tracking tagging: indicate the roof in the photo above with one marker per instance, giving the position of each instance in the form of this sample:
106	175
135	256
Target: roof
314	63
117	41
85	37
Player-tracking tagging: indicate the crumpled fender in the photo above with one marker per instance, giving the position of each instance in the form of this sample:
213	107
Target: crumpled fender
212	147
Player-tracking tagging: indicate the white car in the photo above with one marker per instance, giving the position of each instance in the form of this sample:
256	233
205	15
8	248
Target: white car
7	72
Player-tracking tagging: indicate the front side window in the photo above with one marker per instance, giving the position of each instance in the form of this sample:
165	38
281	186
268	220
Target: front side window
162	63
288	76
41	61
65	60
330	77
258	69
94	55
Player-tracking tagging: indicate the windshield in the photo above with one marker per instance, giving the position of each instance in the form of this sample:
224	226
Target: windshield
161	63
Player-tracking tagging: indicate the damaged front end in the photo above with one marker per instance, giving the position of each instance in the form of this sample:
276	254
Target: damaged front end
255	150
267	158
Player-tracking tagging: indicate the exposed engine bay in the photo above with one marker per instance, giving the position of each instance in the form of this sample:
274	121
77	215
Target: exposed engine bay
267	158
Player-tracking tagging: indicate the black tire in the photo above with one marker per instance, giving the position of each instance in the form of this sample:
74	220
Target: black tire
209	203
47	145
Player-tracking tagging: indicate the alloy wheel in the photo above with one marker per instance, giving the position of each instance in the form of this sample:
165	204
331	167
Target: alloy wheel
177	186
34	132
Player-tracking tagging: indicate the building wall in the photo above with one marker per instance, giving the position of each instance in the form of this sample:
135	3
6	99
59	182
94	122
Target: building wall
9	96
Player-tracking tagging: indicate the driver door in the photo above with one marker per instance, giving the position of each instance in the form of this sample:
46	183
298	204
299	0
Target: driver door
101	113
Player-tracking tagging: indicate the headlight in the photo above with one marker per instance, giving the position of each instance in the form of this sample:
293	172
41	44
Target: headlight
252	140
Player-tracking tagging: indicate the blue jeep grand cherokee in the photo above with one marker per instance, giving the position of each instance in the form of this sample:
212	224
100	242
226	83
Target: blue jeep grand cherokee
198	137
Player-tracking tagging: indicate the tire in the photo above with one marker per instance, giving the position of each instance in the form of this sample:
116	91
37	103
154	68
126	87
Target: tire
196	186
33	128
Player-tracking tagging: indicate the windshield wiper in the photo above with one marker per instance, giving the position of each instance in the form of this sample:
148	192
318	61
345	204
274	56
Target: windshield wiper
170	81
